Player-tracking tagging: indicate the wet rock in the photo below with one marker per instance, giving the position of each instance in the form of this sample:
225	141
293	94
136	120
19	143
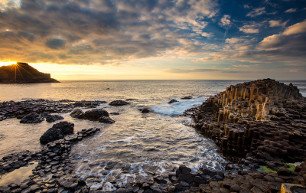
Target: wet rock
183	170
12	109
145	110
53	118
105	119
88	104
58	131
241	120
32	118
95	114
118	103
77	113
186	97
173	101
14	161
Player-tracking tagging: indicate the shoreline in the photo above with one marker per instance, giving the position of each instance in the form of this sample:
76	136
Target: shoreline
53	159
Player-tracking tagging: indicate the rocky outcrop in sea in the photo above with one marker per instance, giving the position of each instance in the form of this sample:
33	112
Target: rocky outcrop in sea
260	123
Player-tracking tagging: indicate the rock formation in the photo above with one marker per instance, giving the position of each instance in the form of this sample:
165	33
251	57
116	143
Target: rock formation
100	115
58	131
23	73
117	103
262	120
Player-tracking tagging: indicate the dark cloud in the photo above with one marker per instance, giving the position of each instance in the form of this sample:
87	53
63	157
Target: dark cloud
55	43
100	30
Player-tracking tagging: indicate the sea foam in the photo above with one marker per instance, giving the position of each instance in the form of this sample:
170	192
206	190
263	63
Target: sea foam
177	108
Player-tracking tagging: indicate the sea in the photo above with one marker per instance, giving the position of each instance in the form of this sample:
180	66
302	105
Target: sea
137	146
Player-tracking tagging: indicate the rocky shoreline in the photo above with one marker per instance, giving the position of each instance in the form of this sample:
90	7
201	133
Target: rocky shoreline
260	123
260	127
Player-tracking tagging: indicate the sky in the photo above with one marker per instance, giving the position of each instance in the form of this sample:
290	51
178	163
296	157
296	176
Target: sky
156	39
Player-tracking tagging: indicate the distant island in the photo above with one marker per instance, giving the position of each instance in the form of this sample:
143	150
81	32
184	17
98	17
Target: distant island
23	73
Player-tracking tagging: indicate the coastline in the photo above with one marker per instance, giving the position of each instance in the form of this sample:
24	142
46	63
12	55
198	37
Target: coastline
54	159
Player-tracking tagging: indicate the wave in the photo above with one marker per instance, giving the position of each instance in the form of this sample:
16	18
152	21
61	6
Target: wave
177	108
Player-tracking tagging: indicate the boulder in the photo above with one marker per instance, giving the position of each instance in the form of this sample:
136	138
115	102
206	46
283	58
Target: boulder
118	103
32	118
105	119
95	114
58	131
53	118
173	101
77	113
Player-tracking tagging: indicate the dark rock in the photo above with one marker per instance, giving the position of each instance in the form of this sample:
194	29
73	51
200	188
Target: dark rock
235	188
145	110
53	118
95	114
77	113
118	103
105	119
284	172
183	170
186	97
173	101
32	118
58	131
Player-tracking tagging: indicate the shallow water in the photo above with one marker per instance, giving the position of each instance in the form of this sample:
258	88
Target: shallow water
18	175
140	146
18	137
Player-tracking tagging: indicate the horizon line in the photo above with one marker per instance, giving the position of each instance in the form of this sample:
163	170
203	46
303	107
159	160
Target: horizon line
180	79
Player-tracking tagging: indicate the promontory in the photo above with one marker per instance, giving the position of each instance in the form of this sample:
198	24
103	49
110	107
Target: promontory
23	73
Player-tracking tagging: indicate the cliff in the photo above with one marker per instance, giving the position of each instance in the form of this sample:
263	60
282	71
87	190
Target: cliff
262	120
23	73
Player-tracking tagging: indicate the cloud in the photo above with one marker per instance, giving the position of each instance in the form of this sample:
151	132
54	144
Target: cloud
123	32
106	31
246	6
55	43
295	29
225	20
290	42
277	23
271	41
204	70
291	10
9	4
257	12
250	29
